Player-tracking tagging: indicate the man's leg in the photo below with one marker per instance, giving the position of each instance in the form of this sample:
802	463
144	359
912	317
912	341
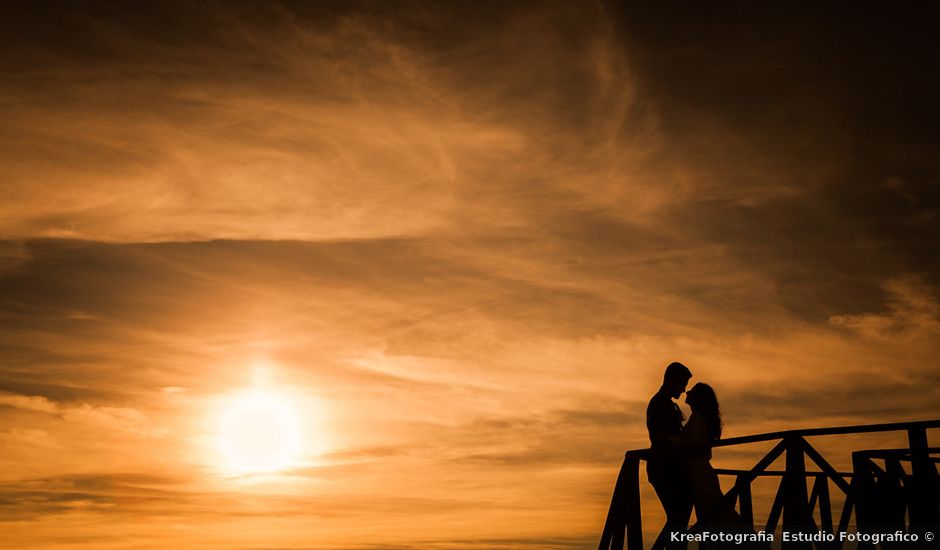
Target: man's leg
676	498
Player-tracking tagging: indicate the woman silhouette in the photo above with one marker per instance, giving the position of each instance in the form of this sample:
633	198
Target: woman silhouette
705	426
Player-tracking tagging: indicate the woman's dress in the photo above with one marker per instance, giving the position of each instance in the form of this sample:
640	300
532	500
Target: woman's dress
705	486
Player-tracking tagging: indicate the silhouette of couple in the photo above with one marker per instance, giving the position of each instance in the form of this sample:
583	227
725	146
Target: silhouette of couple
683	480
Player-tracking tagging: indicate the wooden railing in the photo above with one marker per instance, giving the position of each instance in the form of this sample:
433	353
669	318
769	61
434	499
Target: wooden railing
881	496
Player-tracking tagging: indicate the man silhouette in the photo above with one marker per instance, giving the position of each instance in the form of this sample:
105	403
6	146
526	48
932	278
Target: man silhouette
668	473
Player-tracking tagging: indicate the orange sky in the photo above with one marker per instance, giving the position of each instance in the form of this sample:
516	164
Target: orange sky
461	241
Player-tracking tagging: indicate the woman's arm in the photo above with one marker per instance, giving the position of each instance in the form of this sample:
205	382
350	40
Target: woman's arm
678	440
695	430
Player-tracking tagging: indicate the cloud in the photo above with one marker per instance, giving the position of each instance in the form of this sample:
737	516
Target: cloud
13	255
110	493
583	437
126	421
29	403
291	133
912	313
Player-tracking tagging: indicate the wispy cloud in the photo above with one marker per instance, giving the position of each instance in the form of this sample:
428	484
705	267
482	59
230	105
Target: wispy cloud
913	313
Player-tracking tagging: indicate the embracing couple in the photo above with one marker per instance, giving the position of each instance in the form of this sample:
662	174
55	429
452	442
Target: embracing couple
683	480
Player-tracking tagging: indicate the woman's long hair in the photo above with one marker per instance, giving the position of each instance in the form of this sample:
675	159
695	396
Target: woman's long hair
705	402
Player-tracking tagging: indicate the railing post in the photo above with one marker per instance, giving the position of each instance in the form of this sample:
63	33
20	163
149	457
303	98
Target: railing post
614	521
891	494
863	485
923	510
824	504
745	501
633	517
796	515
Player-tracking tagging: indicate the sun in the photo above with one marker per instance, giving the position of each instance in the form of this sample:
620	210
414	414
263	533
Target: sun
259	433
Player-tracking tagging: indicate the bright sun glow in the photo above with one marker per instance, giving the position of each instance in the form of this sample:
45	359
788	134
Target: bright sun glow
259	432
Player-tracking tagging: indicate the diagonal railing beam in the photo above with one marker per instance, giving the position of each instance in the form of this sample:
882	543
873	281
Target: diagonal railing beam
774	517
824	465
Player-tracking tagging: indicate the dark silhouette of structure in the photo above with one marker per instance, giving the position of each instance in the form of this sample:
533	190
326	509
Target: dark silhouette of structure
880	489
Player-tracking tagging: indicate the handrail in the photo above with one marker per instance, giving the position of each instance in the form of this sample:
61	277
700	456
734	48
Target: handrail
773	473
771	436
898	454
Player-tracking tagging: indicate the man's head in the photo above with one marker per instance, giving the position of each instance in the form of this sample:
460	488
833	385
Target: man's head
676	379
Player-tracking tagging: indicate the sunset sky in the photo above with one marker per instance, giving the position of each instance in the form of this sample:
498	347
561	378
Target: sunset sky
458	242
